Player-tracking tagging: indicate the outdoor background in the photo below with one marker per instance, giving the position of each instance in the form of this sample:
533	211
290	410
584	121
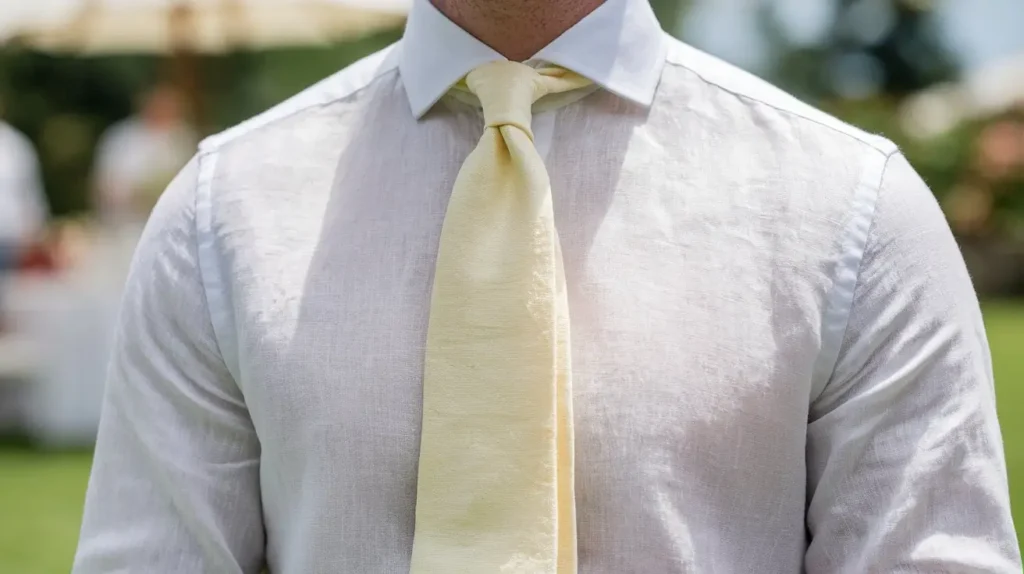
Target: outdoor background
901	68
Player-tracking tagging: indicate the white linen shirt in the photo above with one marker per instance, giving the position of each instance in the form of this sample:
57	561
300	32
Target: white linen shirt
778	358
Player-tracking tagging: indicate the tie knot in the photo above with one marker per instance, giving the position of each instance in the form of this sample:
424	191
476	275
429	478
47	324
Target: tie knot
507	90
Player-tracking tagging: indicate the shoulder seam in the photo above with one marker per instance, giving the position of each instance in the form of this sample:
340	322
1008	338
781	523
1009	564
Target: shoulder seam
839	301
281	112
211	282
872	144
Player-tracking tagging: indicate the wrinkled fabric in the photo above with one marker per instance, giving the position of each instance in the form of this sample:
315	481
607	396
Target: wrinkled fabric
778	360
495	481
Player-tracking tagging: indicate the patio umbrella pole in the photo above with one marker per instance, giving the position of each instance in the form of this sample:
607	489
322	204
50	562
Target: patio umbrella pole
184	30
186	76
185	73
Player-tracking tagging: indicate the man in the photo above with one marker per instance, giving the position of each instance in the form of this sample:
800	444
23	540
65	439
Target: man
23	205
345	342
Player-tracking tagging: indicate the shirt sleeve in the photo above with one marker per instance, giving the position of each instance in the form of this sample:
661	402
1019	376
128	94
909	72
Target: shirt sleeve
175	480
906	471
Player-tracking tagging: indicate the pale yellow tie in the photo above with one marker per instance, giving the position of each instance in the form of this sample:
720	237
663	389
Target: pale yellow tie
495	491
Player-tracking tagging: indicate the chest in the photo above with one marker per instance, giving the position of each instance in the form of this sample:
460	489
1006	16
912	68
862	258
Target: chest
695	295
679	341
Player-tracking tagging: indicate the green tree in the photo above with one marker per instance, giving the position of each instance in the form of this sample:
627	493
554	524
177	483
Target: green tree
64	103
669	13
889	47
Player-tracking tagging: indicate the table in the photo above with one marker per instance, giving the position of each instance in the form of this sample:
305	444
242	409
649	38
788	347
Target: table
63	329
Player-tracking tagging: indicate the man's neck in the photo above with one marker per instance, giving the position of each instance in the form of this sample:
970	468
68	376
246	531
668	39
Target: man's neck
517	29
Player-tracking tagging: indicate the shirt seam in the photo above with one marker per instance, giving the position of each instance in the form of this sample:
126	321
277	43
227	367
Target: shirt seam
210	282
839	301
284	111
875	145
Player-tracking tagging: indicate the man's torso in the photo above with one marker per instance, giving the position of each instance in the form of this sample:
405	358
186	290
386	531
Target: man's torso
702	239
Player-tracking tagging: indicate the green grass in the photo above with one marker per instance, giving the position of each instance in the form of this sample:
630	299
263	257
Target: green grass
1005	325
41	493
40	509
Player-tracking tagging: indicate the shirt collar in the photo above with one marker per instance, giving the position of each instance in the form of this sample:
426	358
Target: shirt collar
620	46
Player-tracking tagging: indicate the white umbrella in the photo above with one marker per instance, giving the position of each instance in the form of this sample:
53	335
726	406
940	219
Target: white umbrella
185	28
195	26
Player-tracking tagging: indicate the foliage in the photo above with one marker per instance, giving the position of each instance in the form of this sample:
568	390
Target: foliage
64	103
669	12
889	47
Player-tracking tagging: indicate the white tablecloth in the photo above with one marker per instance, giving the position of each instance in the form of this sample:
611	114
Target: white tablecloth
64	326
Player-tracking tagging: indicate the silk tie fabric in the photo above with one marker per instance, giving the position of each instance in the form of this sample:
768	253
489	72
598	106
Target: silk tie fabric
495	486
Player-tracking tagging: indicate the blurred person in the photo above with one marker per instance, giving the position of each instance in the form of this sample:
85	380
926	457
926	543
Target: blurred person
137	157
345	342
24	209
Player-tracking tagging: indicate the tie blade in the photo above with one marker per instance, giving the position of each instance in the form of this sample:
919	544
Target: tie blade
495	490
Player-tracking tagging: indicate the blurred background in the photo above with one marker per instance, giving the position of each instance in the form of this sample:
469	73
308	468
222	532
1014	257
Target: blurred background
102	101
